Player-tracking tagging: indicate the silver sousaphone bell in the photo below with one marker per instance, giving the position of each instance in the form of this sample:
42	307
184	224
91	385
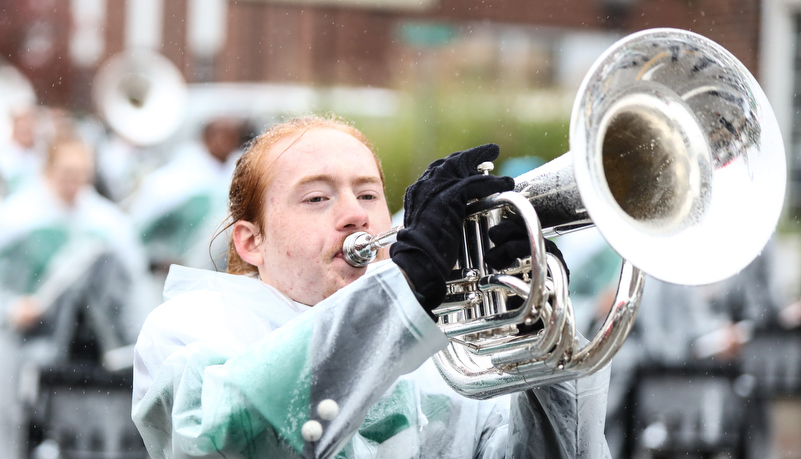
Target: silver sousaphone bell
142	96
677	159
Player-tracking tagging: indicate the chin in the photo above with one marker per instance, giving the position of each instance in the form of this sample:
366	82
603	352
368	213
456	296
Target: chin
351	277
342	280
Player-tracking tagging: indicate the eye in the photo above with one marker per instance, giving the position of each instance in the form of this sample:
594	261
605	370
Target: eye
316	199
368	197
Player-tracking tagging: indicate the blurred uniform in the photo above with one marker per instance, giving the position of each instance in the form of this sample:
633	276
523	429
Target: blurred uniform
179	207
20	162
41	239
750	303
753	294
71	272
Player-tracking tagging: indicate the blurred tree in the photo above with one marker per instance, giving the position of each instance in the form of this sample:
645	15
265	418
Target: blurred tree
425	129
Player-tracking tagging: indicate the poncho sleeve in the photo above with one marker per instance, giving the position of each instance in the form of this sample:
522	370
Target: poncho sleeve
350	348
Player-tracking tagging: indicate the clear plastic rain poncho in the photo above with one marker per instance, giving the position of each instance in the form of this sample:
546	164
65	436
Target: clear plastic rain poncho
230	367
84	266
48	248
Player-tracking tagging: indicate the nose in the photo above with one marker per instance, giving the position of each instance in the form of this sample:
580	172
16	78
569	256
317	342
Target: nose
352	215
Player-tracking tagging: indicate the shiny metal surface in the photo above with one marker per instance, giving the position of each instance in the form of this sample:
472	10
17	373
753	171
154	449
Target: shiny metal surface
360	248
693	122
492	289
676	157
479	376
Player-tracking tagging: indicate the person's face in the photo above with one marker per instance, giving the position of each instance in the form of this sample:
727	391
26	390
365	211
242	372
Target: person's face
326	186
70	172
222	139
24	127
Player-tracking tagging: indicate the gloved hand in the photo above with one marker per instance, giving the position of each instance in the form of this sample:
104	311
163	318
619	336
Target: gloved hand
511	242
434	211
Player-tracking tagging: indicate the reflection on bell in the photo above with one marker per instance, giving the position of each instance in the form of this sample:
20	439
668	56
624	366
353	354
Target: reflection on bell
675	156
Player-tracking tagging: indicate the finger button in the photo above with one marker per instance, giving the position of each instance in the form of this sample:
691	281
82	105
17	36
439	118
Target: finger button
486	167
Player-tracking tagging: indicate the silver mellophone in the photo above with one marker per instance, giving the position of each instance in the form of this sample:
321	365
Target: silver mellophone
675	157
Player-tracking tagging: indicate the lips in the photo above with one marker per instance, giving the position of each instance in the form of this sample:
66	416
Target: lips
337	251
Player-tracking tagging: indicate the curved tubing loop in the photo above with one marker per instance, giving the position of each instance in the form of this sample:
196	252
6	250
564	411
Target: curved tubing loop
536	287
604	345
557	327
474	376
565	326
600	350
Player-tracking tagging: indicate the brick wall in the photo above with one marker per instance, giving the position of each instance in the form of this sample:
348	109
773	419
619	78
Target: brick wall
732	23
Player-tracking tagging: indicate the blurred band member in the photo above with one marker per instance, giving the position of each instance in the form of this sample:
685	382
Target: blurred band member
178	207
19	160
52	233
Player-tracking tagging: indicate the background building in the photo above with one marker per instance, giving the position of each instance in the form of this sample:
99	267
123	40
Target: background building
443	73
60	43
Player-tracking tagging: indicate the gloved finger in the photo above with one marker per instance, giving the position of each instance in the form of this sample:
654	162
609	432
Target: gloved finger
471	158
515	245
463	163
507	229
481	186
503	255
551	247
511	241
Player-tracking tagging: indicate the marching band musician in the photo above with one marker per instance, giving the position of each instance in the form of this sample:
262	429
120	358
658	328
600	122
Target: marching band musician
56	230
294	353
177	207
71	277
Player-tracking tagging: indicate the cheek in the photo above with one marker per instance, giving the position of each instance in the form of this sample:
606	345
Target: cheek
287	237
380	218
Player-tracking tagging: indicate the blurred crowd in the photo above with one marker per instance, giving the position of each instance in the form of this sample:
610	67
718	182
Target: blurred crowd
89	224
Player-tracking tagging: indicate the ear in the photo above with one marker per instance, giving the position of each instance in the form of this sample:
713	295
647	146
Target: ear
247	238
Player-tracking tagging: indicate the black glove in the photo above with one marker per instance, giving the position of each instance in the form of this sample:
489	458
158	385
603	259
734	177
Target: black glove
434	211
511	242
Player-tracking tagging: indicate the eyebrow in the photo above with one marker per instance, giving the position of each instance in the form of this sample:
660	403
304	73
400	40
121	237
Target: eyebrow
361	180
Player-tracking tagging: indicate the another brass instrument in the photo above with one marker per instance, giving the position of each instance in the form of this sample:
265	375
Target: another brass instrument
142	96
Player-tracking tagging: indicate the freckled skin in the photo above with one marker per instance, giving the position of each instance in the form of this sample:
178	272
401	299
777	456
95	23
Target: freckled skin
327	187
